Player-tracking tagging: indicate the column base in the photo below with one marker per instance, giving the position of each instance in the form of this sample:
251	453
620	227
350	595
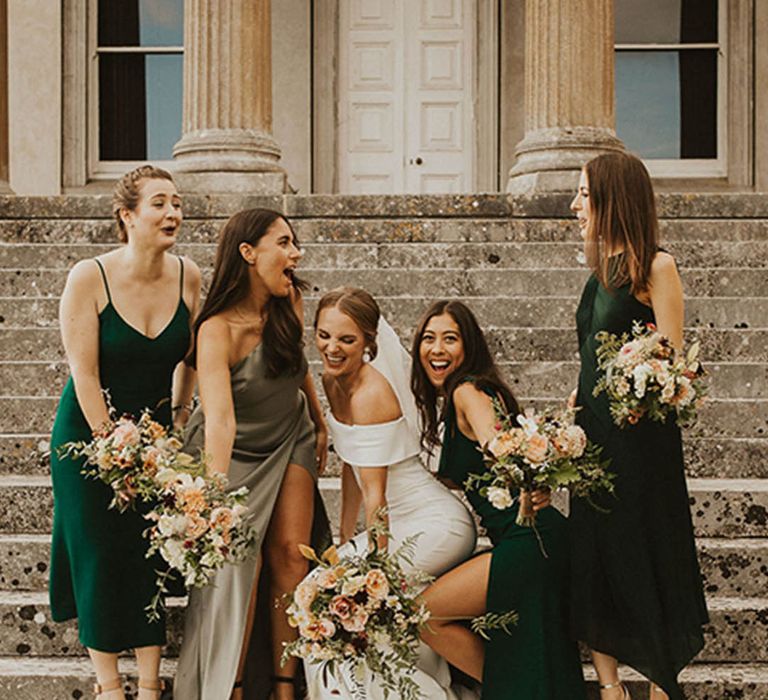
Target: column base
227	160
549	160
232	182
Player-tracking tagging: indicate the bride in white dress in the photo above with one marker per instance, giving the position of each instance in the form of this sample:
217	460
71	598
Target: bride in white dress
373	425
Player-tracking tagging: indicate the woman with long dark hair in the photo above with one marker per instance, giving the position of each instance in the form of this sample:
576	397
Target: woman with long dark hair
260	423
454	381
637	593
125	321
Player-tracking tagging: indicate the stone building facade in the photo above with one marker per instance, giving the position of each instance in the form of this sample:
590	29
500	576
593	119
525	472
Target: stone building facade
381	96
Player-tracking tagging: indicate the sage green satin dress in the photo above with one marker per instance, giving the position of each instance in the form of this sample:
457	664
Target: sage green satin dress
538	660
99	573
273	430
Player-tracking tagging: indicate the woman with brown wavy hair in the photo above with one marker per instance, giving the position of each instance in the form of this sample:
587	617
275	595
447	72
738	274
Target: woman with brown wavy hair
636	593
260	422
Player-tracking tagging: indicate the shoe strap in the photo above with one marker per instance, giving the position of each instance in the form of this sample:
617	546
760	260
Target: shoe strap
155	684
114	684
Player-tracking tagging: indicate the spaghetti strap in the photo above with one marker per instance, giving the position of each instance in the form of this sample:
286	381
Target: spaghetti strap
181	278
104	277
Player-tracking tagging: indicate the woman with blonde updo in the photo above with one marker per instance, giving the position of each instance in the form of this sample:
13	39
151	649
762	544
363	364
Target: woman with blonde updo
125	323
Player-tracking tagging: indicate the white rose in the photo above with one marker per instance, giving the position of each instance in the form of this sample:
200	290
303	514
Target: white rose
172	525
499	497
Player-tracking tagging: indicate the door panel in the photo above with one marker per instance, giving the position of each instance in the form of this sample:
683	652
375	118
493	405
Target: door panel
406	96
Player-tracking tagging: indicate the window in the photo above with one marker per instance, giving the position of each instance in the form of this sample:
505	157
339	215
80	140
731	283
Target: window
671	84
135	83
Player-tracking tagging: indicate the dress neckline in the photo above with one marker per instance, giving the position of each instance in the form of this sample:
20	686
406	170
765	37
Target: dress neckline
353	426
151	339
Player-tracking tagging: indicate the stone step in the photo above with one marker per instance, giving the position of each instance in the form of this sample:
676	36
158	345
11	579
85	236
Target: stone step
544	379
737	632
736	568
523	311
407	256
723	282
701	205
382	230
507	343
61	678
733	508
706	458
719	418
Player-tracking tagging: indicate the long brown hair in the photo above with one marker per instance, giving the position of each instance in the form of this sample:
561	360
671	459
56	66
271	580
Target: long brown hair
478	364
360	306
622	218
283	336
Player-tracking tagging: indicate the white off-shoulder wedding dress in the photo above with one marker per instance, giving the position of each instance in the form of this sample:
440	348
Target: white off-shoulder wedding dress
417	504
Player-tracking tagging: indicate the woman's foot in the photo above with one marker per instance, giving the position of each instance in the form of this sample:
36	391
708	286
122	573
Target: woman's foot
614	691
109	690
151	689
657	693
237	691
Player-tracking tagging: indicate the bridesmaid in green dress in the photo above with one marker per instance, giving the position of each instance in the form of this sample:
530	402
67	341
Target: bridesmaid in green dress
637	593
261	423
125	323
537	660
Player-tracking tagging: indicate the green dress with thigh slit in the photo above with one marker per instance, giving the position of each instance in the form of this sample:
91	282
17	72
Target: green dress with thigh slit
538	660
99	572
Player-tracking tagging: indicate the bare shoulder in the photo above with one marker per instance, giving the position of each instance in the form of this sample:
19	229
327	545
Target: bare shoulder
374	401
191	270
216	330
663	266
85	279
467	394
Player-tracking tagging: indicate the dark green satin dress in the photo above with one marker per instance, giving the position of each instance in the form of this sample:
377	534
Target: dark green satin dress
99	573
637	592
538	661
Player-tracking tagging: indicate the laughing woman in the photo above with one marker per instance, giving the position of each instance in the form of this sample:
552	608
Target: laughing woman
125	322
537	660
261	424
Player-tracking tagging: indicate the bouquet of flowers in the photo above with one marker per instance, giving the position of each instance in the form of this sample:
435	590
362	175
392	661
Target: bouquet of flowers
644	377
126	454
362	608
198	527
536	451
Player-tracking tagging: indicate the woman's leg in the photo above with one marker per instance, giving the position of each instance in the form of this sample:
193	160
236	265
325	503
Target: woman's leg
237	691
105	665
290	526
462	593
608	674
148	662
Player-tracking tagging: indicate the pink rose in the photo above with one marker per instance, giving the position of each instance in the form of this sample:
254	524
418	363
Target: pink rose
341	606
125	435
356	623
376	584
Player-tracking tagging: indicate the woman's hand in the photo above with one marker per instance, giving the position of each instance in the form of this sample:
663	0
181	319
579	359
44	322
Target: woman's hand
321	447
541	498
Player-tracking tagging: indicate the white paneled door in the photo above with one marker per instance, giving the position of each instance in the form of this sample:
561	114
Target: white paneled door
406	96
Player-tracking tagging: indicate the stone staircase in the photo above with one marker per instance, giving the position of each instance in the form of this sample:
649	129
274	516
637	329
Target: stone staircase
514	260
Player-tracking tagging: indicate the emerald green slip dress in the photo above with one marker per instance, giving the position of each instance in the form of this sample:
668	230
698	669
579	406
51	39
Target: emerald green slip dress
538	660
99	573
637	591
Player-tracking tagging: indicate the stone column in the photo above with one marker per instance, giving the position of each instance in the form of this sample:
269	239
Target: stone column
569	93
227	143
4	188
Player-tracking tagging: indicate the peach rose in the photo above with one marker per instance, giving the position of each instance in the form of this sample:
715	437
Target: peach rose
376	584
196	526
192	500
506	443
536	448
356	623
222	517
